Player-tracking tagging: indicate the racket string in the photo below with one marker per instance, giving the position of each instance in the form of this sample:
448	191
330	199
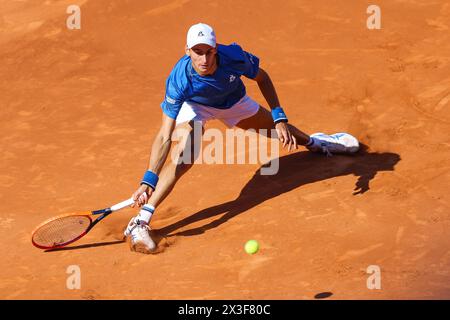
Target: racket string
61	230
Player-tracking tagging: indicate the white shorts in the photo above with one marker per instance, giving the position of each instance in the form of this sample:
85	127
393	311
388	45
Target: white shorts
244	108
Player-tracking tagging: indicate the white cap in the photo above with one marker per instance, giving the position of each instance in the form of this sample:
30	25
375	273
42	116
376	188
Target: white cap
201	33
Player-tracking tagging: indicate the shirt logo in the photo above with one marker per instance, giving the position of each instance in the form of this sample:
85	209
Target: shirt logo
170	100
232	78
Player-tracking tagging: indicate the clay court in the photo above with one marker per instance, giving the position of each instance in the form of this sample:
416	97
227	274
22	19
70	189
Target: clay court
79	110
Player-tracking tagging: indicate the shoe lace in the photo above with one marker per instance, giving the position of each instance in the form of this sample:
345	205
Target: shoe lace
139	225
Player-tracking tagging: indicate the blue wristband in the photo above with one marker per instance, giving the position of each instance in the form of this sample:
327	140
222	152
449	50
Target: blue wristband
151	179
278	115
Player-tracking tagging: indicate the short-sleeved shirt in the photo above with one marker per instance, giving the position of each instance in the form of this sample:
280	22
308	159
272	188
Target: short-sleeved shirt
220	90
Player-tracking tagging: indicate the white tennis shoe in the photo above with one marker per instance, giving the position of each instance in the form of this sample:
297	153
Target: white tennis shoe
336	143
140	240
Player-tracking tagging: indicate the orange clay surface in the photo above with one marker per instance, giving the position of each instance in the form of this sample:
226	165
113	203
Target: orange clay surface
79	110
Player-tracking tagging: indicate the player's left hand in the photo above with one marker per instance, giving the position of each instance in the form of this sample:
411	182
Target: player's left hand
286	136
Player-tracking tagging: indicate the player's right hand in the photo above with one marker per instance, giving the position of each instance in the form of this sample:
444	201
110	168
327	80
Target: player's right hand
141	195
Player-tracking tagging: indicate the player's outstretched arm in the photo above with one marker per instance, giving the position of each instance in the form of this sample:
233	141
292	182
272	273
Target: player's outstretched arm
160	150
268	90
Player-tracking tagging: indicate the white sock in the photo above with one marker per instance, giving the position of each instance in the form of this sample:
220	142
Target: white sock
146	213
310	142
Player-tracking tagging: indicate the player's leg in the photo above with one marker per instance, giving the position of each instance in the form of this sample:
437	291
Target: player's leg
263	120
340	142
181	159
185	153
187	133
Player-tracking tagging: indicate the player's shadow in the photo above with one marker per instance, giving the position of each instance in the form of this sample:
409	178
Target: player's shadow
295	170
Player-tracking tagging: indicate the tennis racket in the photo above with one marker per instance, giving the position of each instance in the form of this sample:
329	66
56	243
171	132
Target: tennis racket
64	229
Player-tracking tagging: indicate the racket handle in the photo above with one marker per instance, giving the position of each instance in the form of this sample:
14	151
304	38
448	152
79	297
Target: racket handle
122	205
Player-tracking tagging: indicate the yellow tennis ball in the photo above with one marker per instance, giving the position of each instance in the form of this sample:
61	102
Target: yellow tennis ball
251	246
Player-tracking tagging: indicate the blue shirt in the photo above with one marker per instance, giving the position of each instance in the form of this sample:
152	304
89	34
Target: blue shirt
220	90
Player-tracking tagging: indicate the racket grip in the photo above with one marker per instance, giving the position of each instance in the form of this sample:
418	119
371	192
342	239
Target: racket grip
122	204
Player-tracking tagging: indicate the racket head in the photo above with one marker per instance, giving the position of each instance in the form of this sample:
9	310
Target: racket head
61	230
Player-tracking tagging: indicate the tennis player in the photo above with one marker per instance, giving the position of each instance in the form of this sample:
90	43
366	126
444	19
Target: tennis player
206	84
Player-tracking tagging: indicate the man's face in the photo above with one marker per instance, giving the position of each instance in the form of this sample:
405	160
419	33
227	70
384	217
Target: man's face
203	58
